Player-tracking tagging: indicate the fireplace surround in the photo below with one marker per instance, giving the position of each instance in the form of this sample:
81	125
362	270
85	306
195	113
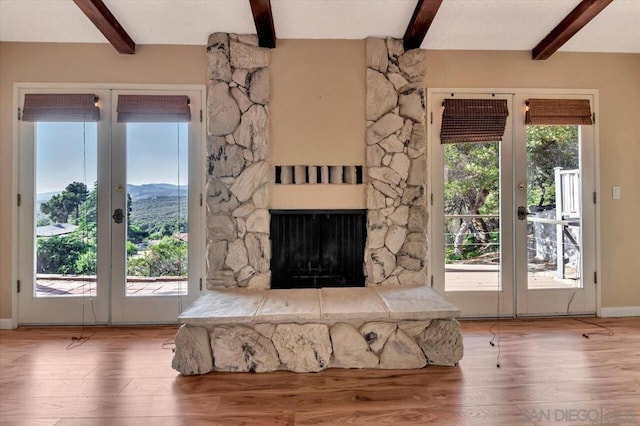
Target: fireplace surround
240	323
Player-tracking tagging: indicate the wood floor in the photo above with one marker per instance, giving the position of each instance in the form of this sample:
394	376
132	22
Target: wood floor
549	374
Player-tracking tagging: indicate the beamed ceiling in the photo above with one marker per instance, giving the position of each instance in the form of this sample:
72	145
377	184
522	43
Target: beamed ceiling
541	26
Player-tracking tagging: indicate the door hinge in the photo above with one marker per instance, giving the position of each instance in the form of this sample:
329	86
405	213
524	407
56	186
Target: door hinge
431	198
200	199
432	281
595	277
431	117
18	286
594	117
200	284
201	116
19	199
19	114
595	198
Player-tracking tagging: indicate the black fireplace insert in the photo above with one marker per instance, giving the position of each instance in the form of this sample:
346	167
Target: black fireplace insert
317	248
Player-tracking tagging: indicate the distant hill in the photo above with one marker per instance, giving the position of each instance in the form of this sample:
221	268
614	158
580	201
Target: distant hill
155	190
154	205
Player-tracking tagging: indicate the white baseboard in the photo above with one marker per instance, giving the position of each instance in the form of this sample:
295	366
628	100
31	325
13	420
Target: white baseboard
6	323
623	311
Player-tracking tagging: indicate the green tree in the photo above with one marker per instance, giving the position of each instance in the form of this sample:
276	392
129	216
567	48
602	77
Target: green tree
60	254
66	205
549	147
166	258
471	188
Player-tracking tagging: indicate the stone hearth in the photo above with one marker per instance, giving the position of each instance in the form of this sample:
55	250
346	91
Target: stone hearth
310	330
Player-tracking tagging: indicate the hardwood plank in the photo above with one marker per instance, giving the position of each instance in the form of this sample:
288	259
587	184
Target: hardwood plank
123	376
62	387
97	407
580	16
108	25
423	15
283	419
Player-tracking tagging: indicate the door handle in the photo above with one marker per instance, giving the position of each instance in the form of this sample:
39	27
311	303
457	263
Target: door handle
118	216
522	212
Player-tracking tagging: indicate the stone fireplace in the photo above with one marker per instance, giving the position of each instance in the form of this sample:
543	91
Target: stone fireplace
243	322
240	175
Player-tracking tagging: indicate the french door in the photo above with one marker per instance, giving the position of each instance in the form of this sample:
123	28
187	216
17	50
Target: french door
109	216
513	220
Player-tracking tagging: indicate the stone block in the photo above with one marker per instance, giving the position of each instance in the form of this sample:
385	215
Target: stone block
377	333
380	265
395	238
303	348
401	352
250	179
385	126
350	349
193	351
381	96
259	251
376	51
259	86
441	342
412	102
413	64
237	255
242	349
224	114
219	67
248	56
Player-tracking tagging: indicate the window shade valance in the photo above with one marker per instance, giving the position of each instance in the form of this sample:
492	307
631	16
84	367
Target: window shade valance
473	120
73	107
153	109
558	111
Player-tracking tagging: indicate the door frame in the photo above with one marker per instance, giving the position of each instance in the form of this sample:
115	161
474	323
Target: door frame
527	299
18	87
515	92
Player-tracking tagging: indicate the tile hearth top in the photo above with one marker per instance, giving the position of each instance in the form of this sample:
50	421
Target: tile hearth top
233	306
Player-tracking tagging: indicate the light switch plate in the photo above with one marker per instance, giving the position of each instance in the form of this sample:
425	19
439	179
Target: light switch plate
617	193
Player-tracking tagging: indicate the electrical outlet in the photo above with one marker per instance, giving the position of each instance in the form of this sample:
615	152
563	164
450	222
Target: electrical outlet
617	193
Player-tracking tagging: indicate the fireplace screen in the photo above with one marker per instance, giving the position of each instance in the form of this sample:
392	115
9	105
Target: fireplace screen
317	248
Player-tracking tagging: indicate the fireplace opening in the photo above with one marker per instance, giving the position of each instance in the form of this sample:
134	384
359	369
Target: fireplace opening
317	248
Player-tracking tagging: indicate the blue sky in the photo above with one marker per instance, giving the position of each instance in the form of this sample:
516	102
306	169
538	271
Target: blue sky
67	152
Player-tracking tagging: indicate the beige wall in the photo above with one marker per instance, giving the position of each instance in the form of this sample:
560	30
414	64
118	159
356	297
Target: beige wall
324	117
617	77
317	117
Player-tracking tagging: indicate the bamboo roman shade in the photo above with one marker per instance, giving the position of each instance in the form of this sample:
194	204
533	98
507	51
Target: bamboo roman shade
473	120
74	107
558	111
153	109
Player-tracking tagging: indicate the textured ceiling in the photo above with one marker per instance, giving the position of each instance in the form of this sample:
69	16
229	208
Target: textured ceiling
460	24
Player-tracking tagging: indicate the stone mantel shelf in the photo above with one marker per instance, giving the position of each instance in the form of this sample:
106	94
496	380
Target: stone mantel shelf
326	305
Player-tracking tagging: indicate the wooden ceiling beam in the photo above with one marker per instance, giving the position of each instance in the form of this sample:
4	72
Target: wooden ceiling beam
108	25
421	20
263	18
568	27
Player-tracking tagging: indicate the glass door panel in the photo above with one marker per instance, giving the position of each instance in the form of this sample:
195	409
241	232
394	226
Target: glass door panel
471	219
157	225
472	216
553	200
65	213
